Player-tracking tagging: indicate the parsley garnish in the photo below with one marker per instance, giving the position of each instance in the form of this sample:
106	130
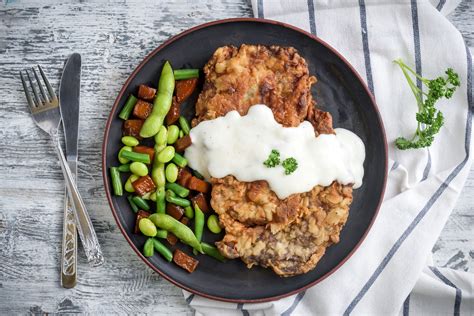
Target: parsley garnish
428	117
290	165
273	159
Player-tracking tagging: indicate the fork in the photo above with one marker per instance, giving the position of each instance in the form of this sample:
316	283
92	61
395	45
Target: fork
44	107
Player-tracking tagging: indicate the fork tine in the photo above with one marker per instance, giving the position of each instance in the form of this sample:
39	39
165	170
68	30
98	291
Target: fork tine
43	94
35	93
52	95
27	94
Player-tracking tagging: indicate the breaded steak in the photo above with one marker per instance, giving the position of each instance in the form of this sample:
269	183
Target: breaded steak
288	235
237	78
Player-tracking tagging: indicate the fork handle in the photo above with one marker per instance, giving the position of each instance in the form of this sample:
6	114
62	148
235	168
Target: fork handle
84	225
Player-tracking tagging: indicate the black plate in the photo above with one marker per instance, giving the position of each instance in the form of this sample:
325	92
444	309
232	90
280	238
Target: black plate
339	90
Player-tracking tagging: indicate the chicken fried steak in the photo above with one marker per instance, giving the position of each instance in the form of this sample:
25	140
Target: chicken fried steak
289	235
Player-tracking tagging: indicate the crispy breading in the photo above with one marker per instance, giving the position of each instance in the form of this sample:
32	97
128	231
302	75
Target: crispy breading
237	78
298	247
289	235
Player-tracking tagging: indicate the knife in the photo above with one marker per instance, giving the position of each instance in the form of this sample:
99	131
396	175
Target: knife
69	96
69	100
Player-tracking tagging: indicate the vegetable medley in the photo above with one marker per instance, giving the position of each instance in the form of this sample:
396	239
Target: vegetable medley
165	194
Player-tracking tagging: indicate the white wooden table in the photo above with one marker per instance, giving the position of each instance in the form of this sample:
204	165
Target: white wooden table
112	38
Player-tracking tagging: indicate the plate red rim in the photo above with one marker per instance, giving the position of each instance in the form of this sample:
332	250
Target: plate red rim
124	88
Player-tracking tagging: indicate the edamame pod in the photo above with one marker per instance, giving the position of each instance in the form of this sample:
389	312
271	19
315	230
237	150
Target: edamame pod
162	103
183	232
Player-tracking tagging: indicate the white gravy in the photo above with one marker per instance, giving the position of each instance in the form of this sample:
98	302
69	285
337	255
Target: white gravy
238	145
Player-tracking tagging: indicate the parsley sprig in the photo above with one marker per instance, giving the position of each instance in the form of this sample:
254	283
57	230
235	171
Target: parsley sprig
430	120
290	165
273	160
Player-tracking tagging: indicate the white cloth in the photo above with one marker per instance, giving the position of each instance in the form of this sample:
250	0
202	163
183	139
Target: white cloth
423	185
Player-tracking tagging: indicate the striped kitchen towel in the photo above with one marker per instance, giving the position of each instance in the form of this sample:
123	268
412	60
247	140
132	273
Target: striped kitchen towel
391	272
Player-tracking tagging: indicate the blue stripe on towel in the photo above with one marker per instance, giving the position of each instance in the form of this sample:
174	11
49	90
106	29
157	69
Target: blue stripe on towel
290	310
312	21
457	300
406	306
365	44
440	5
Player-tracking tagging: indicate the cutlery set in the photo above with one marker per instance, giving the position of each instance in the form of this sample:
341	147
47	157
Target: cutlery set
48	111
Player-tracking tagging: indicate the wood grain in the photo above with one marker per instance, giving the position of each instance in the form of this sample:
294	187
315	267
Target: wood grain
113	38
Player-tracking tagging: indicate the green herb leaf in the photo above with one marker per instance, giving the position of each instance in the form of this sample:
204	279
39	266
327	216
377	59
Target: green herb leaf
430	120
273	159
290	165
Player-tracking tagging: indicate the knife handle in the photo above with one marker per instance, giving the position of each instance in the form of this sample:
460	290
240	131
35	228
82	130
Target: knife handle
86	231
69	246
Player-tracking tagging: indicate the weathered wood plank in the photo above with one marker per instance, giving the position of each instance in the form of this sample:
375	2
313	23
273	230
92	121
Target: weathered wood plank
112	38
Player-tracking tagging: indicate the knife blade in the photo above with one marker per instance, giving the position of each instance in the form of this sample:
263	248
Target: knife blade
69	100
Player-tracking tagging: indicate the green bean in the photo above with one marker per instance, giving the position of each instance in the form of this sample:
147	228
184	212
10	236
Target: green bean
128	108
198	223
212	252
141	203
180	74
179	190
128	184
189	212
153	196
160	200
180	160
171	172
173	134
148	249
183	232
130	141
176	200
183	122
124	168
116	181
132	204
213	224
158	174
162	136
161	233
162	103
139	168
171	193
124	160
163	250
166	154
133	156
181	134
147	227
